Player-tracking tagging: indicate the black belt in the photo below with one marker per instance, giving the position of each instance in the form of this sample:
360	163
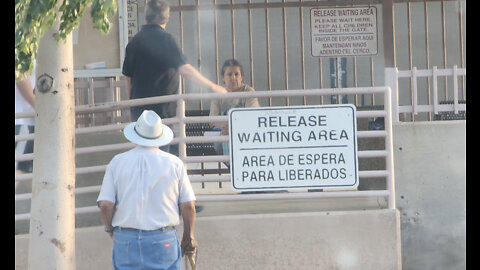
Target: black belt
137	230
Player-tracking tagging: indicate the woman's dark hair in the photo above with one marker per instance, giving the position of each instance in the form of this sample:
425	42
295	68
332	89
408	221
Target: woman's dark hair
230	63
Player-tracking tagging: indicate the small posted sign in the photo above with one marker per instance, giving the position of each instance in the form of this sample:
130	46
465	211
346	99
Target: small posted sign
344	31
280	148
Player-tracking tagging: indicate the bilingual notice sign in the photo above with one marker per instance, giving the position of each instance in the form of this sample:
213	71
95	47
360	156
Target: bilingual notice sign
344	31
298	147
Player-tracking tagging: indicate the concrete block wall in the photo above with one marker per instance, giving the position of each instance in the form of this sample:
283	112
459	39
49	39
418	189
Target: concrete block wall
430	178
356	240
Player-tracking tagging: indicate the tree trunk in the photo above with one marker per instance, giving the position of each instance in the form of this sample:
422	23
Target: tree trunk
52	221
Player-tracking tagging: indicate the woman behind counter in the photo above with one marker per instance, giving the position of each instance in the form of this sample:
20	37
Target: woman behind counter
232	76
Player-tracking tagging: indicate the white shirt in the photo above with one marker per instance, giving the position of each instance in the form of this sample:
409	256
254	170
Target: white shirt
21	105
147	185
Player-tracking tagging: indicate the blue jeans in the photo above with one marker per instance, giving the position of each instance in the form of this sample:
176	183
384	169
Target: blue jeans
144	250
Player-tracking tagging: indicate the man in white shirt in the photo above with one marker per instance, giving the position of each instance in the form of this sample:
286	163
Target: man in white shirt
144	190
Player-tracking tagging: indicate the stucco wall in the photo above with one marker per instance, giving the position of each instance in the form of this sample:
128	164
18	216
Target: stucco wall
353	240
430	174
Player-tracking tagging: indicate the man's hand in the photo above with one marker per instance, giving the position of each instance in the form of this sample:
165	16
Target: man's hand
218	89
106	213
189	246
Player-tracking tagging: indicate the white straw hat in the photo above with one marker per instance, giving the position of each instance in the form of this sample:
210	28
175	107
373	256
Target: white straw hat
148	130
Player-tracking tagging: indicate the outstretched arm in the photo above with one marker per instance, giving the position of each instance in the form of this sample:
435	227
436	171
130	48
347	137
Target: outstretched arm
192	74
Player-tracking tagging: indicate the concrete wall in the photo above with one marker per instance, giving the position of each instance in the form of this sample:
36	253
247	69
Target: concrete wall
317	240
430	174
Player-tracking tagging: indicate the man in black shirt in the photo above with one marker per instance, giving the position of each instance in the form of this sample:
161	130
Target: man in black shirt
153	62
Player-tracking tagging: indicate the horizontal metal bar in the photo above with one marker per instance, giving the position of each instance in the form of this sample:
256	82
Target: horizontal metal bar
111	106
198	179
264	5
199	159
430	73
78	190
227	177
188	159
79	210
209	178
245	197
371	133
187	120
430	108
372	154
293	195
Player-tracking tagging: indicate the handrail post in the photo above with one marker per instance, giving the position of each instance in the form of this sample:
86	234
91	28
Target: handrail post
389	164
182	148
391	80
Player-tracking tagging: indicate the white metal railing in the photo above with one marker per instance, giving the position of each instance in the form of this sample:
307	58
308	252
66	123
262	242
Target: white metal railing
431	90
182	139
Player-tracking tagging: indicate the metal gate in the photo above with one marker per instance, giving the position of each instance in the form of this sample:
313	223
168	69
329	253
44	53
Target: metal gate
272	40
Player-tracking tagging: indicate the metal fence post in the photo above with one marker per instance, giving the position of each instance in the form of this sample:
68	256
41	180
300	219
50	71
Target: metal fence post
389	148
182	147
391	80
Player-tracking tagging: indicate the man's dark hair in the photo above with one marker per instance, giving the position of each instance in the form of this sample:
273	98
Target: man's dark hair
157	11
230	63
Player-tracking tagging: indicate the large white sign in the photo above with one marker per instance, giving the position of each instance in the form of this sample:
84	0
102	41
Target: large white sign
279	148
345	31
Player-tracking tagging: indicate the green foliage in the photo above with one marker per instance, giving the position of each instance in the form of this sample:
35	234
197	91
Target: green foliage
100	11
70	18
34	17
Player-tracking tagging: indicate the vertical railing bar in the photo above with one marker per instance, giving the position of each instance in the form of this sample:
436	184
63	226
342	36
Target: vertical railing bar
444	36
233	31
414	91
250	38
285	50
372	78
182	134
455	89
320	70
302	52
112	96
462	60
338	74
389	148
391	80
215	32
410	57
180	18
355	80
427	54
435	90
267	29
91	99
90	94
199	47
